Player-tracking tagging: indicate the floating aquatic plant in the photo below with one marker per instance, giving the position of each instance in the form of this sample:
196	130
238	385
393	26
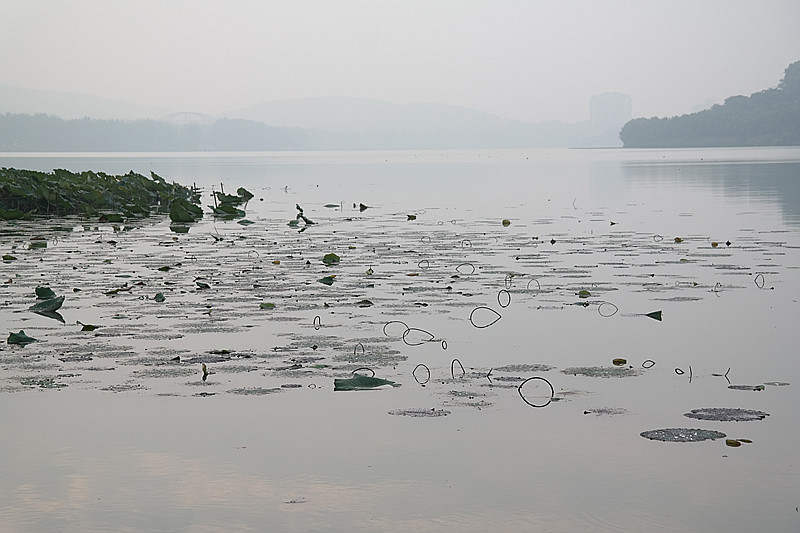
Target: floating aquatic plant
655	315
602	371
747	387
47	306
44	293
331	259
42	382
726	414
361	382
61	192
181	210
20	338
417	412
682	435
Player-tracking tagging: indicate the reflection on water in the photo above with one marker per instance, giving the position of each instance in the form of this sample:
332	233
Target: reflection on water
766	181
207	410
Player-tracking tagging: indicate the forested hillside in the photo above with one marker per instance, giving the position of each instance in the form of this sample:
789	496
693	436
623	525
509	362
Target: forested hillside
766	118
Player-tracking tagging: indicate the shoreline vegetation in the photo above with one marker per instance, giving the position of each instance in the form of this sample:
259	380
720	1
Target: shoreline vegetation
28	193
767	118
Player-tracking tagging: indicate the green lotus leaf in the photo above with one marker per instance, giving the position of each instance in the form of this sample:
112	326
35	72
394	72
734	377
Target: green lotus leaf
331	259
48	306
44	293
655	315
20	338
360	382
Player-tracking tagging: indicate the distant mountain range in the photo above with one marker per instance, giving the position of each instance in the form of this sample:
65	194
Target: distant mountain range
311	123
71	105
341	122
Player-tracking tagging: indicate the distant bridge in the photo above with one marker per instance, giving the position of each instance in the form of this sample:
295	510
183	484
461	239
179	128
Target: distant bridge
185	118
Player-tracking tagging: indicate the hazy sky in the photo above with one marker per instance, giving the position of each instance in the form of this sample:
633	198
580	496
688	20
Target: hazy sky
526	59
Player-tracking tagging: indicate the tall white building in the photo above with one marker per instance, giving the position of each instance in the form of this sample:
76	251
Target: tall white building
609	112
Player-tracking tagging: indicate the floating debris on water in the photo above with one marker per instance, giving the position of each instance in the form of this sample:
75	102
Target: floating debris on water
747	387
123	387
682	435
606	411
523	368
254	391
726	414
42	382
602	371
420	412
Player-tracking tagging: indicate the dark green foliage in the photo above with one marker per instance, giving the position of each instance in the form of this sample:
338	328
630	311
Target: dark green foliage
227	203
359	382
44	293
331	259
767	118
20	338
182	210
66	193
48	306
227	211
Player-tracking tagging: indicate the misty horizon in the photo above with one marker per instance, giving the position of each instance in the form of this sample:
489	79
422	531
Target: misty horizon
514	60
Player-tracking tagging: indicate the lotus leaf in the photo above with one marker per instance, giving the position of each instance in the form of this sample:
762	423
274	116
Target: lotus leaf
655	315
44	293
244	193
227	211
360	382
13	214
114	218
331	259
48	306
20	338
181	210
327	280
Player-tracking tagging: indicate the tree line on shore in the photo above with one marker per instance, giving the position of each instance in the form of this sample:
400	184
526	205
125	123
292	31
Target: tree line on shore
767	118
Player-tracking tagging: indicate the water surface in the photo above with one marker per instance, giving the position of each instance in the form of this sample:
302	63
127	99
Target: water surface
115	429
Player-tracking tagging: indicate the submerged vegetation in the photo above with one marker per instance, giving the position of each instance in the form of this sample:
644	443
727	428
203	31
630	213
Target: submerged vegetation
26	192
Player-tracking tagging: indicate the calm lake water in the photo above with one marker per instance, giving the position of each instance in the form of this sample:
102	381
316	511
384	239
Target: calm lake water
117	429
